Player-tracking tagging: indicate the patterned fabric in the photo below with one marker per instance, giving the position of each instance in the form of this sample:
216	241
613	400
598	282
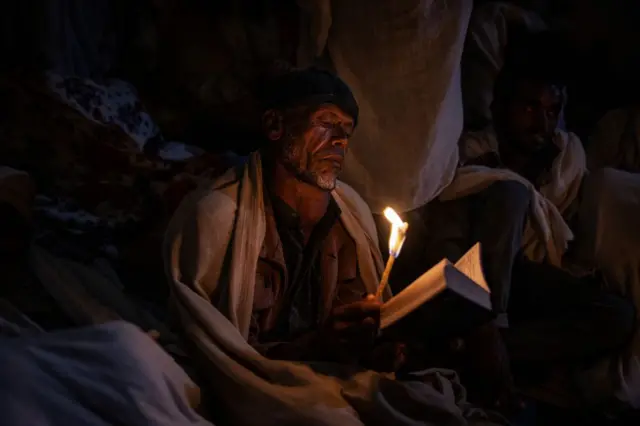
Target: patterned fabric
97	189
114	102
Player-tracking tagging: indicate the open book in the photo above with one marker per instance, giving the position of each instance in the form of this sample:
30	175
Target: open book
453	295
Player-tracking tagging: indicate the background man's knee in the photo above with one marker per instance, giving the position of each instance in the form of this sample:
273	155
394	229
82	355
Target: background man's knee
509	195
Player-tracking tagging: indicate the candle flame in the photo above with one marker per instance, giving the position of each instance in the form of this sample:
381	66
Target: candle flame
392	216
398	231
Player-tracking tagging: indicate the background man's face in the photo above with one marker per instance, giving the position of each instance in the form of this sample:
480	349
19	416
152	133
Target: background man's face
532	115
315	144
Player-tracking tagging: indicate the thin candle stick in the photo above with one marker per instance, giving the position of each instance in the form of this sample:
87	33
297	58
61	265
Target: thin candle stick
385	278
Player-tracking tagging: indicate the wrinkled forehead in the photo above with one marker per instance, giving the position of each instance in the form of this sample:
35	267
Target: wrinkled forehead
332	112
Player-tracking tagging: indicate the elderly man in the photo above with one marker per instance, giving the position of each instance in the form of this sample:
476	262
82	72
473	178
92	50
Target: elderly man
272	263
312	252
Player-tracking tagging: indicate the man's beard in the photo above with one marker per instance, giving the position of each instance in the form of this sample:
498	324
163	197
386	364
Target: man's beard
533	143
291	161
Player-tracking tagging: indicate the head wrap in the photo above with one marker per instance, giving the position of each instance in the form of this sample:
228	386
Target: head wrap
309	87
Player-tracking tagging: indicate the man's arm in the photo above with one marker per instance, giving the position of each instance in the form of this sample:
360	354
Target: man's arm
306	347
345	337
197	240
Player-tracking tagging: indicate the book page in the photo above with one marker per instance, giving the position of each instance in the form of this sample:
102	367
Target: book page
471	265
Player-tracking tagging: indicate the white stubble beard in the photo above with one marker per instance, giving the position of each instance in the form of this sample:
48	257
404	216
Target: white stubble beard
292	161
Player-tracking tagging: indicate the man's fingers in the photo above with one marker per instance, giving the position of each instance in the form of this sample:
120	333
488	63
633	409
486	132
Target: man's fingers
358	310
351	330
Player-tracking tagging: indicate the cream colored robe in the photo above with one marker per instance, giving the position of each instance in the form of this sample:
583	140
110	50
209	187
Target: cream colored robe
212	245
546	232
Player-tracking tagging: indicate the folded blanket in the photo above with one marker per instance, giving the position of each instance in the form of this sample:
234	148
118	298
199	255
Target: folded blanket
111	374
547	233
212	244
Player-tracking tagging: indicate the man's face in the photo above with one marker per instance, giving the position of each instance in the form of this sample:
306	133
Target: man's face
532	115
314	143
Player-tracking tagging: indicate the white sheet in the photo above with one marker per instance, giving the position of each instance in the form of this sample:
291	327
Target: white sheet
401	58
112	374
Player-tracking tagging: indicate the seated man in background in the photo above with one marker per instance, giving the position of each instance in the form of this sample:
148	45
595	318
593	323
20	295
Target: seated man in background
493	26
545	315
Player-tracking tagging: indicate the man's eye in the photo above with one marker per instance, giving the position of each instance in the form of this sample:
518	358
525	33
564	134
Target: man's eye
325	124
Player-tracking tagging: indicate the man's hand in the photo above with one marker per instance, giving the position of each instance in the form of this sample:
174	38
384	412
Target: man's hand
352	328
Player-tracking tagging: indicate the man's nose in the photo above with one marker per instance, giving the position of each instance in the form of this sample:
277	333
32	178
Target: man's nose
340	142
340	137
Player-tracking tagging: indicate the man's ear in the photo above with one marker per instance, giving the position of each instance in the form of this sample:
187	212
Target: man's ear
272	125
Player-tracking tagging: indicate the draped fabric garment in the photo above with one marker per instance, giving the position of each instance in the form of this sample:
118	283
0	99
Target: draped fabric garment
211	248
547	234
402	61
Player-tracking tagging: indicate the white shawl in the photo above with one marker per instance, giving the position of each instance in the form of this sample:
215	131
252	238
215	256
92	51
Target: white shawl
214	241
546	232
401	59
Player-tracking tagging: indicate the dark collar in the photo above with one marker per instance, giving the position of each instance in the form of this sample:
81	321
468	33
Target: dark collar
289	217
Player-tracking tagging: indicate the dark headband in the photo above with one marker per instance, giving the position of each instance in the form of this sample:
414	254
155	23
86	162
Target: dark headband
309	87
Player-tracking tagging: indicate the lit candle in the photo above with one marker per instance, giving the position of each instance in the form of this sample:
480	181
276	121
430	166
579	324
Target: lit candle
396	240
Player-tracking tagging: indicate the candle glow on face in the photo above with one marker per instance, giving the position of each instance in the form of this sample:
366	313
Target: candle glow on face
398	231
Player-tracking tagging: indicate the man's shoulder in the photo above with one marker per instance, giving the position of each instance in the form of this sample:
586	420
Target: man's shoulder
564	137
214	200
477	145
352	197
358	208
488	133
